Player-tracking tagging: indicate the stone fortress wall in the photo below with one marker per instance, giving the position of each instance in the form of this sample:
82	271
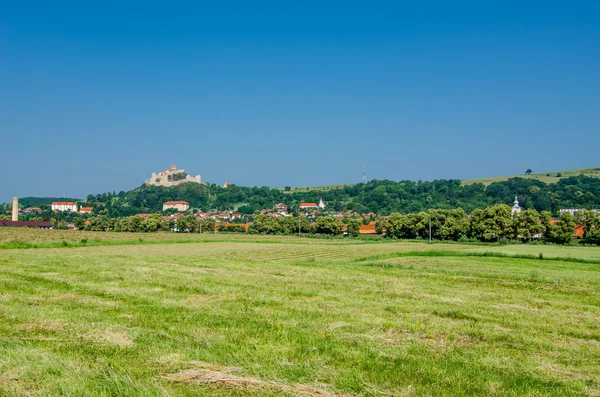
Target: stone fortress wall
162	178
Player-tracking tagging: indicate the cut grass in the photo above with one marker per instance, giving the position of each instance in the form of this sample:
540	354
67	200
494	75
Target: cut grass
437	253
248	318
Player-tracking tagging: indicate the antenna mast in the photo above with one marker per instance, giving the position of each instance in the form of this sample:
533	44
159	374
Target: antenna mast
364	179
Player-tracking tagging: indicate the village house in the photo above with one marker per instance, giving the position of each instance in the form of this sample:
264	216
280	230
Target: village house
178	205
64	206
280	207
85	210
575	211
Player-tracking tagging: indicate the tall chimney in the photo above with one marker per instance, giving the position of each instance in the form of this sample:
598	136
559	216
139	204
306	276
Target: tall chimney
15	212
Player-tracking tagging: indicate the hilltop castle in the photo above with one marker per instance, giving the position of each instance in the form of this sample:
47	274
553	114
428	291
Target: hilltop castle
172	177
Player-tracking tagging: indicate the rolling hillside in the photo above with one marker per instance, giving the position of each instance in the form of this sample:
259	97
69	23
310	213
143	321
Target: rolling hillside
546	177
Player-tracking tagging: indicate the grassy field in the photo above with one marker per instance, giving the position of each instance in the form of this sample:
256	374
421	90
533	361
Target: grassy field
323	188
243	315
546	177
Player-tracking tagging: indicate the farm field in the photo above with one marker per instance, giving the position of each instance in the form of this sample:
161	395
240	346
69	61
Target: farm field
284	316
546	177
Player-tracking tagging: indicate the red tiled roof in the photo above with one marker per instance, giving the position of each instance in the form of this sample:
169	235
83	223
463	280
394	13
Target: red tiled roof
244	225
368	229
308	205
86	209
63	203
176	202
578	231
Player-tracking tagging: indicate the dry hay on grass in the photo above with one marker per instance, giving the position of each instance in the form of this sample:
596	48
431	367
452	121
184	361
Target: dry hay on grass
211	374
107	337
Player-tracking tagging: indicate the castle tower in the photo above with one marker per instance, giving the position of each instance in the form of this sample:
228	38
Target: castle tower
15	209
516	208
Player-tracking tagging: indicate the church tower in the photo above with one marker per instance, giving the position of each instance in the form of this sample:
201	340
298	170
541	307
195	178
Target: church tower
321	204
516	208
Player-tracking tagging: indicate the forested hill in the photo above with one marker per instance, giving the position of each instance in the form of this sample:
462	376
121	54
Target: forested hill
37	201
382	197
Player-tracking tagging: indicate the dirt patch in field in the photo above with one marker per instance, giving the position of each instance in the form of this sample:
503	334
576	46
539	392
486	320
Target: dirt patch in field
197	298
213	374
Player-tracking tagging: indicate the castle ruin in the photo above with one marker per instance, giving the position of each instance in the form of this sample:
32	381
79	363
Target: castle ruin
172	177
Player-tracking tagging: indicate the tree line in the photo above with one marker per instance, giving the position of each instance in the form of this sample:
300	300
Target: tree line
493	224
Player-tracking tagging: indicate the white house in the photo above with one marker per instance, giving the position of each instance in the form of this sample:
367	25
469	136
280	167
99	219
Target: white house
64	206
178	205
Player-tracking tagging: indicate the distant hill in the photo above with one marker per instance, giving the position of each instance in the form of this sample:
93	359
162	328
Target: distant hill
323	188
546	177
37	201
572	189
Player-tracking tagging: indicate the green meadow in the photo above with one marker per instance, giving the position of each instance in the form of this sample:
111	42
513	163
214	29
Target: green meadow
237	315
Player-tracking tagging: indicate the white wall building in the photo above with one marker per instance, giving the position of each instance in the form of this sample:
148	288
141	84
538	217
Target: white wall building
178	205
575	211
64	206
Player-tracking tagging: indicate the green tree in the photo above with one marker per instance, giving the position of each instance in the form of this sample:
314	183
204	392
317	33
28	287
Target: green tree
546	218
287	224
353	227
186	223
208	225
79	223
492	223
328	225
135	224
562	231
99	223
152	223
392	226
528	172
264	225
526	224
449	224
590	221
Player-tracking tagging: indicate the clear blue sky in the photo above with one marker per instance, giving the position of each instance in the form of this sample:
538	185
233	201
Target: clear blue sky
94	97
